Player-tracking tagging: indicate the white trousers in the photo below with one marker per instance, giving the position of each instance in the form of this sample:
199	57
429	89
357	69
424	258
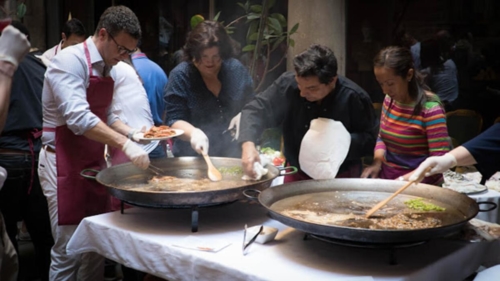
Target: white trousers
63	266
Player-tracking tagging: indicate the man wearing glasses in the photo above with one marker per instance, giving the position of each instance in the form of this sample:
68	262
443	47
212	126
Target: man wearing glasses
77	93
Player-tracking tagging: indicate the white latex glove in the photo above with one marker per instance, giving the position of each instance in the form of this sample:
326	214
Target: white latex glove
439	164
199	141
13	45
235	125
136	154
137	135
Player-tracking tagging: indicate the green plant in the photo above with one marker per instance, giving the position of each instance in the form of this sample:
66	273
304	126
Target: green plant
266	32
21	10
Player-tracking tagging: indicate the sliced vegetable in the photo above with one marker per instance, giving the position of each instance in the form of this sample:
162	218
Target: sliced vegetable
418	204
277	161
235	170
267	150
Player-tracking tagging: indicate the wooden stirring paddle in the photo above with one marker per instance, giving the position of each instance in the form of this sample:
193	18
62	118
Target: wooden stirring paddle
213	173
384	202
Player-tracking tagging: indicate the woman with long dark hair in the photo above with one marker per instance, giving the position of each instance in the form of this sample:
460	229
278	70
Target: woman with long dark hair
412	123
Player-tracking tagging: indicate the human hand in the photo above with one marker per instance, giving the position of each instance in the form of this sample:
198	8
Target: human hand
234	125
136	154
199	141
438	165
371	171
249	156
14	45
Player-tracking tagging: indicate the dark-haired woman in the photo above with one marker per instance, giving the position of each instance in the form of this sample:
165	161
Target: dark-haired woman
205	92
412	123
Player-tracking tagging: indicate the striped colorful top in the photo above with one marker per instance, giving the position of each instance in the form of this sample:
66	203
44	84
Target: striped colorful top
408	140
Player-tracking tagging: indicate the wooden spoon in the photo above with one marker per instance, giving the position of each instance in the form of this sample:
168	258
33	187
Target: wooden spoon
213	173
384	202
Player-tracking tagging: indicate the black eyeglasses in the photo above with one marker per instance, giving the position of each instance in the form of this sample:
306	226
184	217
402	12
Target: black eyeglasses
122	50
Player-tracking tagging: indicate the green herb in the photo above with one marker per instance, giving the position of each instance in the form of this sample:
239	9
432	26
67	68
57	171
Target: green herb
267	150
235	170
418	204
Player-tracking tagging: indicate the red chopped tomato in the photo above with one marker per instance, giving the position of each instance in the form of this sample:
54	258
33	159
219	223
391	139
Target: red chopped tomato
277	161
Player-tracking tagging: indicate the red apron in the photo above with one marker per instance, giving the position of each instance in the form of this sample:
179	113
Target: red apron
78	197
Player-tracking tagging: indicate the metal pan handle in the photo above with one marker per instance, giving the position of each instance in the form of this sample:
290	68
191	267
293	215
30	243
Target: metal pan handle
492	204
252	194
283	170
84	172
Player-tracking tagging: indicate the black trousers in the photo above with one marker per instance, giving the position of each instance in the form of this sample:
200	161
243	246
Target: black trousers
16	205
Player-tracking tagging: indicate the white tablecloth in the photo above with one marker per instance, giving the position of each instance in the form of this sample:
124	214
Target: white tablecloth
143	239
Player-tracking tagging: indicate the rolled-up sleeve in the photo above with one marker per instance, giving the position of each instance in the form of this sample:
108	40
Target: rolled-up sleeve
68	79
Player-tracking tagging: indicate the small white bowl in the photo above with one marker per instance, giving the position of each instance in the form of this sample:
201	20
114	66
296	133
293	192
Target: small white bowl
268	233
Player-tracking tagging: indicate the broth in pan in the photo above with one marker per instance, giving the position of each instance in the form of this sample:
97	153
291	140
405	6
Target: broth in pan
348	209
187	182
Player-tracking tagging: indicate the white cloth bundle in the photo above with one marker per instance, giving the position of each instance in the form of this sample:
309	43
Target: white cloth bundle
259	169
324	148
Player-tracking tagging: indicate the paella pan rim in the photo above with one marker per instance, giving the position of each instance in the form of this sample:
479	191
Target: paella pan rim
180	167
268	197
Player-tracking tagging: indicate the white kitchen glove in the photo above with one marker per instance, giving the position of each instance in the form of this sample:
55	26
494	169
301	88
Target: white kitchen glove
136	154
439	164
235	125
13	45
199	141
324	148
137	135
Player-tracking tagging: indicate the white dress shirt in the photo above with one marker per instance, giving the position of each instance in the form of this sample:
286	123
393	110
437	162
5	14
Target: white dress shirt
47	56
130	101
64	95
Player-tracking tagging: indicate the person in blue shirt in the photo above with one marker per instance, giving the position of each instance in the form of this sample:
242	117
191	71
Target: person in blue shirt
206	92
154	81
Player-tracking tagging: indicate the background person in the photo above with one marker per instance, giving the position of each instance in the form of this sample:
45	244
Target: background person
440	74
314	91
154	81
13	47
76	94
205	92
21	197
412	123
73	32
